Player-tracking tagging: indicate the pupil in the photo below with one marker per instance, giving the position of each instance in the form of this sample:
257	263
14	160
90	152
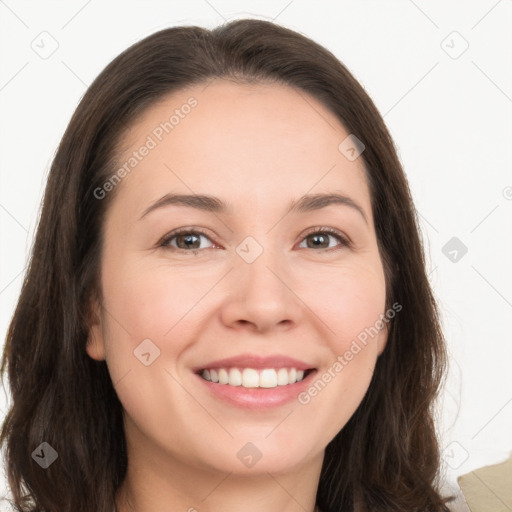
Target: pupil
189	242
316	238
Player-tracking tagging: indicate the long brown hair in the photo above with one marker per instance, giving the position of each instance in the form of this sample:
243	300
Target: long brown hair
387	455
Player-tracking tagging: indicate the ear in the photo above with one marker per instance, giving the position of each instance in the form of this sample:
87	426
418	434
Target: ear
95	346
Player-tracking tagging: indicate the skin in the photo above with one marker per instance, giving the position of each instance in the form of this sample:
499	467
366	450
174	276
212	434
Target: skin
257	147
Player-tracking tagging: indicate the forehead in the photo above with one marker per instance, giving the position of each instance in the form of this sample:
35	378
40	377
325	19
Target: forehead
256	142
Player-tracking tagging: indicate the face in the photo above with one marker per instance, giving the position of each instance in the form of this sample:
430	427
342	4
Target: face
254	292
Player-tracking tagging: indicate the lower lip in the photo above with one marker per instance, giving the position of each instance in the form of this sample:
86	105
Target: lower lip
257	398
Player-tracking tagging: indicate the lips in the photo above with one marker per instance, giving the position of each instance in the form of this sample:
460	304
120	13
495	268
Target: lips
257	362
252	371
253	382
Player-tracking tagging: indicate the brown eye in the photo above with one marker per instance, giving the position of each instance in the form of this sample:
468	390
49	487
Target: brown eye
320	239
185	240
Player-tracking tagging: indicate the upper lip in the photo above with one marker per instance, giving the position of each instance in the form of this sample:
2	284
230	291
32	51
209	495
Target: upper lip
256	362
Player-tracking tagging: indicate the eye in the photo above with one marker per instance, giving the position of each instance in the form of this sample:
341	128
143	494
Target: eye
187	240
320	239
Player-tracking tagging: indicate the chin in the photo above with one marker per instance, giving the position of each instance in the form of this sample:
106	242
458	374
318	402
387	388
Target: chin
253	455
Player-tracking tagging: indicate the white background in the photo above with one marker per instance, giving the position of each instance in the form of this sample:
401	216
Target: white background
450	116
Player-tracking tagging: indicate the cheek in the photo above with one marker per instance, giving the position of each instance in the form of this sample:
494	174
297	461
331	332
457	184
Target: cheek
140	308
353	314
152	318
352	305
146	325
152	301
349	301
359	308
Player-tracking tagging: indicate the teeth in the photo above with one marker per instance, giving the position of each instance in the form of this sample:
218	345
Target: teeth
223	376
268	379
251	378
282	377
235	377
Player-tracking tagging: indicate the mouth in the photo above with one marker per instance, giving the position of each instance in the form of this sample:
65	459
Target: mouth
255	382
254	377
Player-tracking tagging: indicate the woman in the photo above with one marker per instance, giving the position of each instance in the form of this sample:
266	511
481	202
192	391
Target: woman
290	362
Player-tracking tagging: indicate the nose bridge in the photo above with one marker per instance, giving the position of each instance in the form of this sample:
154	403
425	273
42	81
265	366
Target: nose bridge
260	288
259	265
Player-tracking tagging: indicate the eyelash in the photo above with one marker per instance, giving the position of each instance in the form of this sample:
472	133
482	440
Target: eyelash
164	242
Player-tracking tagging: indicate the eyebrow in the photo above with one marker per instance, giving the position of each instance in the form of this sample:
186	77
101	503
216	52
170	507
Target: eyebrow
306	203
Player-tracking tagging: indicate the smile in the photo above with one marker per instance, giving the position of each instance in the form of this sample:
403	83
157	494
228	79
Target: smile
254	378
252	381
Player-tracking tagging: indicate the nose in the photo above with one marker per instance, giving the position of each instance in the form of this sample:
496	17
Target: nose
261	295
